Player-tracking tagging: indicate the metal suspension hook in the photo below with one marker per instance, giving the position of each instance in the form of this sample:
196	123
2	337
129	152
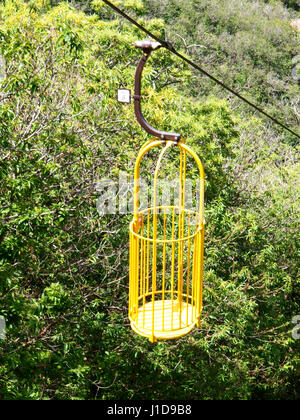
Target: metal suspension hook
147	46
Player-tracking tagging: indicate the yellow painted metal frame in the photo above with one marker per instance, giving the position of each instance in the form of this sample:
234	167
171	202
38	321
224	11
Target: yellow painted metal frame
174	308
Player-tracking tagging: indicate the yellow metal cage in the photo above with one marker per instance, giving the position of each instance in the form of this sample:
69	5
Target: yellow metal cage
166	254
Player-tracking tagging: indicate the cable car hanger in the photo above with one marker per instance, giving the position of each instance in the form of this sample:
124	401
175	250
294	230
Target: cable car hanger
147	46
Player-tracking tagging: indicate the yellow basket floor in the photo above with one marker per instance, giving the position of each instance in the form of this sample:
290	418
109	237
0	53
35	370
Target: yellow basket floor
164	326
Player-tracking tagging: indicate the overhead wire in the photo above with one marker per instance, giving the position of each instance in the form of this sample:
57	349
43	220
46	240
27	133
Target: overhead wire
171	48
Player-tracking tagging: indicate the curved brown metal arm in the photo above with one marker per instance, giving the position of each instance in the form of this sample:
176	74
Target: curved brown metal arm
147	47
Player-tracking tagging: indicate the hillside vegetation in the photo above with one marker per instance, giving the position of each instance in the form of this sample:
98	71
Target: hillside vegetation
64	269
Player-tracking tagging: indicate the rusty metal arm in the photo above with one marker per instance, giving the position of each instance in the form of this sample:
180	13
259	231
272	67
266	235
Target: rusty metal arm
147	46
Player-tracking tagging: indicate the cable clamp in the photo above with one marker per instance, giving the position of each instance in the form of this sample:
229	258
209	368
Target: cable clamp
168	45
137	97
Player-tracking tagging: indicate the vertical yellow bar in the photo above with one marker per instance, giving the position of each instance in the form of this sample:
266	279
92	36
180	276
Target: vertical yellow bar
181	228
201	248
144	280
173	269
202	233
142	258
133	275
183	216
180	256
137	277
148	249
188	270
154	254
197	279
194	279
130	274
164	273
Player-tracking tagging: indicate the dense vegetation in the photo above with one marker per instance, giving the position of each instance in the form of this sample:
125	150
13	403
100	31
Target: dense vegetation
64	269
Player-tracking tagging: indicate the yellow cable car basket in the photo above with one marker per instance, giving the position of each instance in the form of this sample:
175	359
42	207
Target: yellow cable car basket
166	239
166	256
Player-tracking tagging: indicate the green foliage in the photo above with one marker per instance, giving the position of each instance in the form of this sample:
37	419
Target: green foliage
64	270
294	4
